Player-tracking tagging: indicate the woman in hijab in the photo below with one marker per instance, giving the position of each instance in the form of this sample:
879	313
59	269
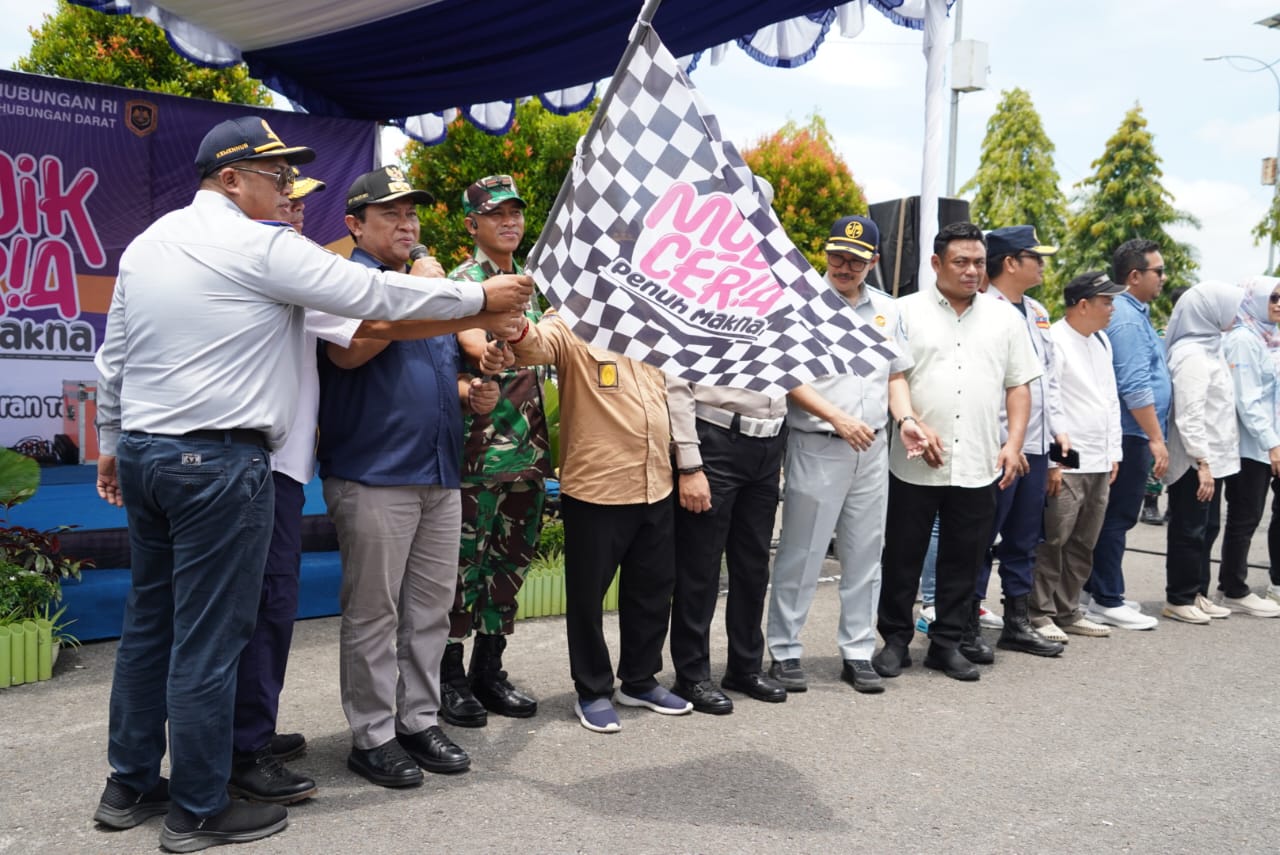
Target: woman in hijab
1248	349
1204	447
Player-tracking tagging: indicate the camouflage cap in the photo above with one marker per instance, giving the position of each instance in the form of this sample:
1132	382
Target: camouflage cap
489	192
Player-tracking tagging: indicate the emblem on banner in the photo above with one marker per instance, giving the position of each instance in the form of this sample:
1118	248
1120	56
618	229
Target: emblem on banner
141	117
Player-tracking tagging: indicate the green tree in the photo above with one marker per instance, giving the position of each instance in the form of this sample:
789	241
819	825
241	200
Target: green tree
812	185
536	152
1268	228
1016	182
80	44
1124	199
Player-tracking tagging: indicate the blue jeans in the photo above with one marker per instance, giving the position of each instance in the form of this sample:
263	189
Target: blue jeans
928	574
199	524
1106	584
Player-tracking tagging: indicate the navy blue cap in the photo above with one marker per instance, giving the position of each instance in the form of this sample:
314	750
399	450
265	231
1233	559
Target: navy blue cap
856	235
245	138
1011	240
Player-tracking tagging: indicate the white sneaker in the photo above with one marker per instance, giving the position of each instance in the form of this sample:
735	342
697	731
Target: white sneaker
1211	608
1122	617
1273	593
1086	598
1252	604
989	619
1186	614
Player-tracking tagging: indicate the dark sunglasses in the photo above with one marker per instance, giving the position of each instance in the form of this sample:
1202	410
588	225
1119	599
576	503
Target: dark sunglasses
283	176
1275	298
1159	271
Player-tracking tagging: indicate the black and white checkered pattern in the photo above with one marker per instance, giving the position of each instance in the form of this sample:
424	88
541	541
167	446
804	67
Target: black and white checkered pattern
656	133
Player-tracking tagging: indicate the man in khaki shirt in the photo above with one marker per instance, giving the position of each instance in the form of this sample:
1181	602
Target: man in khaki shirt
615	484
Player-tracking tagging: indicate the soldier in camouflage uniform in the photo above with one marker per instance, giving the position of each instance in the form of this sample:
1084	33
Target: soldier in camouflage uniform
505	461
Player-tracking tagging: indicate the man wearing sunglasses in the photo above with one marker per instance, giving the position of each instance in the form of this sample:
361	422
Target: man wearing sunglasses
1142	379
837	477
203	324
1015	264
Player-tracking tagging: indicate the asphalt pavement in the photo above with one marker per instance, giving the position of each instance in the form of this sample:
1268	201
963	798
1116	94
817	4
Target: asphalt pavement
1160	741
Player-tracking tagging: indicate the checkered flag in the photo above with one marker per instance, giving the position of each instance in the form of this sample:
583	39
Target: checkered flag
661	248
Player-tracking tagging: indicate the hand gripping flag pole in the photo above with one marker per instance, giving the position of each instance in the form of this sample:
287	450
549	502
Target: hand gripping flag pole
660	246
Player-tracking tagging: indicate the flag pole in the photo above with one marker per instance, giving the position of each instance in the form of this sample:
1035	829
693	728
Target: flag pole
644	21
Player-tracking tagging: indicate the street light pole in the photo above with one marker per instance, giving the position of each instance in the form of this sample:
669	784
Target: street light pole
1232	59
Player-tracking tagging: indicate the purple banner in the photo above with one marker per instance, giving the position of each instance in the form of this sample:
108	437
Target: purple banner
85	168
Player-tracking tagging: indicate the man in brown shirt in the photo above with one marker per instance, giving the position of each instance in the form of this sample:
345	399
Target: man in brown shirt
615	484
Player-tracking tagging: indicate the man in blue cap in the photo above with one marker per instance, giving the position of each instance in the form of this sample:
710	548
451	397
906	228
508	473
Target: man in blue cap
1015	264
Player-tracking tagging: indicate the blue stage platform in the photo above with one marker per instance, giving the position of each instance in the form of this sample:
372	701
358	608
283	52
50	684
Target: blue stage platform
68	496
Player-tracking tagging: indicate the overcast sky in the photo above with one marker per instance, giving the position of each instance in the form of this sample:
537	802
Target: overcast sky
1084	63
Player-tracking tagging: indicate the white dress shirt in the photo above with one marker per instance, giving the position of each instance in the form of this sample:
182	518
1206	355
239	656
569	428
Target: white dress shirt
1090	402
1202	420
206	325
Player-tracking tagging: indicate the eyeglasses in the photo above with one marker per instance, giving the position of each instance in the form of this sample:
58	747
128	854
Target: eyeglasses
493	182
840	262
1031	256
1275	298
1159	271
283	176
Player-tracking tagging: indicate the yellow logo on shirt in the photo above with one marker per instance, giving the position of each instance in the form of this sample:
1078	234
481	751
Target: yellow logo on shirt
880	320
608	375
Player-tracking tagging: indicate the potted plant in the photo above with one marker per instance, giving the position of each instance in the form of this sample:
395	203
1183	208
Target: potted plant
32	567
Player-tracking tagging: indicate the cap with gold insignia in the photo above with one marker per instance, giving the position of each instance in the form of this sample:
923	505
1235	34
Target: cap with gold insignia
856	235
489	192
303	186
245	138
1011	240
383	185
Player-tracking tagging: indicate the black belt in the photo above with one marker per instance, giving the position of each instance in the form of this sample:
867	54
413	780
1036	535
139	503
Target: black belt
239	436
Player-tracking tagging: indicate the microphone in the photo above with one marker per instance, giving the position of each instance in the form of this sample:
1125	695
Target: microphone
419	251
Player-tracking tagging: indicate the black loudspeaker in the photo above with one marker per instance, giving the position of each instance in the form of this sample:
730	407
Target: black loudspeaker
899	222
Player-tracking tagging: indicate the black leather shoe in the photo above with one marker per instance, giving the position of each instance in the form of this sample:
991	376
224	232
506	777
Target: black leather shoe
759	686
788	674
288	746
262	778
489	683
238	822
890	660
1018	633
120	807
950	662
458	706
434	751
704	696
859	674
386	765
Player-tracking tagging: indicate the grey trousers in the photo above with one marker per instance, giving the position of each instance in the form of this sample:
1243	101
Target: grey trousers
829	486
399	568
1072	520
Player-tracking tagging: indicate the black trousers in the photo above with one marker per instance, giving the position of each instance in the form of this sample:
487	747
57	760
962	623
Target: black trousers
965	516
1192	528
742	472
1246	493
597	539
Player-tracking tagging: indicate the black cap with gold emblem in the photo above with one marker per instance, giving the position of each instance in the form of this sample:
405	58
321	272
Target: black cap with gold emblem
245	138
383	185
856	235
